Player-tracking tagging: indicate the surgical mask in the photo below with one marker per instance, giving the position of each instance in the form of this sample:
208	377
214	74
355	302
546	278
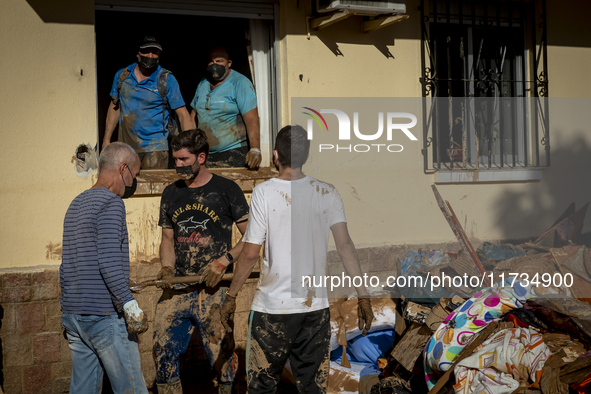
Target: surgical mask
148	62
129	190
217	72
186	172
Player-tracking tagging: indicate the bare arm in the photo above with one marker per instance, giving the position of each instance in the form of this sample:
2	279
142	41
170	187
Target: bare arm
251	120
167	257
111	123
187	122
244	266
193	116
346	250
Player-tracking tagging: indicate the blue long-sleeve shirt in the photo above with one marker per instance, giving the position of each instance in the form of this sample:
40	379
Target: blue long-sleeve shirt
94	274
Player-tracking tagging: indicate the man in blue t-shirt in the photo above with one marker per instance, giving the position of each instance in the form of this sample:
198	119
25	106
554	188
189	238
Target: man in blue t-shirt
225	107
139	109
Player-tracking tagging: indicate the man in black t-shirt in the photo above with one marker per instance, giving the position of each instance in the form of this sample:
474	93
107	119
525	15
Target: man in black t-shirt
196	216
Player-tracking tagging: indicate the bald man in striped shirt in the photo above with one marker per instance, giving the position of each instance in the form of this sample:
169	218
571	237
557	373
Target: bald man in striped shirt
99	314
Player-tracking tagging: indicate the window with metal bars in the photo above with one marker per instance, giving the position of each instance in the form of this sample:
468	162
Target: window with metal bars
484	81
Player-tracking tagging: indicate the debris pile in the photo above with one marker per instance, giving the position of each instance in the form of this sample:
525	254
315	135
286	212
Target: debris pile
528	330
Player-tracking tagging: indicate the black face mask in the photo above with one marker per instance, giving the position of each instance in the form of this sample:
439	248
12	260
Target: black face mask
186	172
216	72
148	62
129	190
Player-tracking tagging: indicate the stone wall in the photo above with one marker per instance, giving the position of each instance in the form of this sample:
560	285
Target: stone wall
35	354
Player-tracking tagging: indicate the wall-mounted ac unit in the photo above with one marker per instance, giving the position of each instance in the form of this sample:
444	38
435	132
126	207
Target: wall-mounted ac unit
361	7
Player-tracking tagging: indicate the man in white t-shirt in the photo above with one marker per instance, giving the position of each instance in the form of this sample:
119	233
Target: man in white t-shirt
293	215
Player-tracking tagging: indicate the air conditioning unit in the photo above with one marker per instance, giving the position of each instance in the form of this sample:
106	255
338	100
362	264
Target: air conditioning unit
361	7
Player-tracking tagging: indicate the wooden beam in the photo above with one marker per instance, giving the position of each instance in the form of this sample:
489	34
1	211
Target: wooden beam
383	22
324	21
459	232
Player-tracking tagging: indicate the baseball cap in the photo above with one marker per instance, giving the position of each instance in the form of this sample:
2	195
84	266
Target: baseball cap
150	42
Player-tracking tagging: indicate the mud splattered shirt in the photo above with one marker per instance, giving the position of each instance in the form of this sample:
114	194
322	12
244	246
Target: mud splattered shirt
220	111
202	219
293	219
140	120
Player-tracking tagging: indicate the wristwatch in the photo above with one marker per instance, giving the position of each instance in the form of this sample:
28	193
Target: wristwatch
229	257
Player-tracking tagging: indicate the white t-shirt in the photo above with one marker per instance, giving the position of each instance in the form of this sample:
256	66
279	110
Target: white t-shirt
293	218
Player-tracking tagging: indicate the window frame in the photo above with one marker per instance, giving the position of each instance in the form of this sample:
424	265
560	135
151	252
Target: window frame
533	135
260	9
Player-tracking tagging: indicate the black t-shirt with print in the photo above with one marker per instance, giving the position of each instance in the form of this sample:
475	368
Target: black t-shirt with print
202	219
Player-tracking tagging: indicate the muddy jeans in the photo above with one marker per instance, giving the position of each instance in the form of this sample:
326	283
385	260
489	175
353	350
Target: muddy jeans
303	338
157	160
98	344
177	315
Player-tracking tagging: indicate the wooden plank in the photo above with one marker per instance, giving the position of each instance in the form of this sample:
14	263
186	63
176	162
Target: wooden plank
376	24
575	377
153	182
468	350
183	279
458	231
535	246
467	242
411	346
576	365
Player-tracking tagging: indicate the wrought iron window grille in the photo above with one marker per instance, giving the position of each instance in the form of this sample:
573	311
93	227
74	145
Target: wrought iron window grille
485	84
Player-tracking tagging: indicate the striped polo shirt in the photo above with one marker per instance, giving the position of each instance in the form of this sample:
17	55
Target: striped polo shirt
94	274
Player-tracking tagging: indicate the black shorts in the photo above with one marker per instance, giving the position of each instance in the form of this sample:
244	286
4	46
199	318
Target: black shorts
303	338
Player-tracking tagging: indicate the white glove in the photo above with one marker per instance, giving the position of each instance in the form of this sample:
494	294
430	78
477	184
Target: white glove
136	319
253	158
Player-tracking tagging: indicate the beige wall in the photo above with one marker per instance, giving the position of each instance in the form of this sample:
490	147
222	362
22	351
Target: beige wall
47	108
390	201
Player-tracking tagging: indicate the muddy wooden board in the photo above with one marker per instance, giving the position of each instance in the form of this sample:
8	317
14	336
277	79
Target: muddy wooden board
153	182
412	345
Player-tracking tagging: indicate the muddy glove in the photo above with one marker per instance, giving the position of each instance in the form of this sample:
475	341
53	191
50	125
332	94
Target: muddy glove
136	319
212	273
164	274
364	314
253	158
227	311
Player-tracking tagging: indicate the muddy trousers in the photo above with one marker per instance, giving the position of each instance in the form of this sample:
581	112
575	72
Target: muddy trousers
177	315
303	338
157	160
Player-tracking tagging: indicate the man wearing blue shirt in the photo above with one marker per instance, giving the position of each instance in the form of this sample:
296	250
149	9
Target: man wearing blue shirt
225	107
139	109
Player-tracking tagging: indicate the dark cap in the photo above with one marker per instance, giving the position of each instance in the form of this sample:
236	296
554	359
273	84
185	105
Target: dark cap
150	42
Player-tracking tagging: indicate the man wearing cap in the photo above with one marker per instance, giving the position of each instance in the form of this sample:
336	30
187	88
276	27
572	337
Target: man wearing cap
141	110
225	107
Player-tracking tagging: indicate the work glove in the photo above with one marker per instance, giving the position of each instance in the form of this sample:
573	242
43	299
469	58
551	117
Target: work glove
136	319
253	158
227	311
212	273
364	314
164	274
